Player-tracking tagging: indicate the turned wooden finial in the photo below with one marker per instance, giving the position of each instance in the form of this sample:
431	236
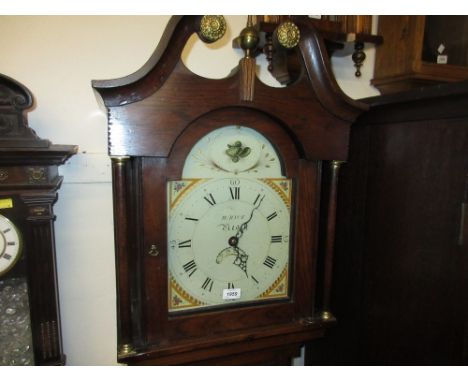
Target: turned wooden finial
249	39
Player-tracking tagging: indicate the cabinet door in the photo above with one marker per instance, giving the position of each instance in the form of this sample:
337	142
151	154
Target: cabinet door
401	285
412	262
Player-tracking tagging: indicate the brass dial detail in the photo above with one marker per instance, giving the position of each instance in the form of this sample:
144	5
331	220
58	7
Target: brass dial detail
288	34
212	28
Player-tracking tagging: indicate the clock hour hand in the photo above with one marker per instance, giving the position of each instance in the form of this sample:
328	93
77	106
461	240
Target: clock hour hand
241	260
233	250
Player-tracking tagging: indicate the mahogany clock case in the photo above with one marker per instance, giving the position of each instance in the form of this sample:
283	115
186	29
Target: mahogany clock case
156	115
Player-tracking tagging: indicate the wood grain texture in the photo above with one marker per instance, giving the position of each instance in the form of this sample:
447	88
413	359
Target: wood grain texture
400	273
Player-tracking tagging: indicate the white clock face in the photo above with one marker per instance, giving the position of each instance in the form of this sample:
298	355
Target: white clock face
228	240
10	245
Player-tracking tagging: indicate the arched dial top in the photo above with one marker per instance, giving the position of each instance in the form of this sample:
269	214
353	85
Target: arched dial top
233	151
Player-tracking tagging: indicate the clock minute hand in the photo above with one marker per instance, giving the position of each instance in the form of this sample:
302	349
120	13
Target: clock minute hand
244	225
241	256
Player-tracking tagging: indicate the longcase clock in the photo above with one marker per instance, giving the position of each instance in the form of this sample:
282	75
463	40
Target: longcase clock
29	180
224	201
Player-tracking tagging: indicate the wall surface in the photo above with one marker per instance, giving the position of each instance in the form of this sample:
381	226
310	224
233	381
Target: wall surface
56	57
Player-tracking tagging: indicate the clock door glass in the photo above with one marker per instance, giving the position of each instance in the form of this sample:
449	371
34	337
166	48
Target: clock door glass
15	327
229	227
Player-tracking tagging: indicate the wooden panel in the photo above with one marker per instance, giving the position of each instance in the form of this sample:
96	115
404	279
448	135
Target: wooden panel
400	276
412	298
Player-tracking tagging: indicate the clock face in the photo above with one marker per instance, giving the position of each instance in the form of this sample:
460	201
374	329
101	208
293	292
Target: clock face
228	241
10	245
229	223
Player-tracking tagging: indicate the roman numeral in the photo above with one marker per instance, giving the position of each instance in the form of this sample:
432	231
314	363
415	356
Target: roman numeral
256	199
269	262
277	239
235	192
254	279
6	256
231	286
185	244
272	216
11	243
193	219
190	267
7	230
210	199
208	284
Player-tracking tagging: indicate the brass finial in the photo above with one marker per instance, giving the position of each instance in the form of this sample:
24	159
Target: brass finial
249	38
248	41
212	28
288	34
336	164
126	350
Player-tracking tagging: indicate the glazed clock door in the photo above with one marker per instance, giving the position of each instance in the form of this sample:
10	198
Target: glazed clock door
226	243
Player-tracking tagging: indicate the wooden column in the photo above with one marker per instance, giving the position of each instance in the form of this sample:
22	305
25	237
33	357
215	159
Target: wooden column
120	169
330	239
42	283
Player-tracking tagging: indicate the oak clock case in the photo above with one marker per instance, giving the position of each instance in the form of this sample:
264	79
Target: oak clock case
29	180
217	204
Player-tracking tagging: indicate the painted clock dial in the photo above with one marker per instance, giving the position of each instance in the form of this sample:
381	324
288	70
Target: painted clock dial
229	223
10	244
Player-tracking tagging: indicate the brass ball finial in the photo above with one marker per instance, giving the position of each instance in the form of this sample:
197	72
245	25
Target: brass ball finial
249	39
288	34
212	28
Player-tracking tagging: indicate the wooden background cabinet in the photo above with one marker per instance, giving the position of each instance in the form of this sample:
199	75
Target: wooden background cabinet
401	262
402	63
